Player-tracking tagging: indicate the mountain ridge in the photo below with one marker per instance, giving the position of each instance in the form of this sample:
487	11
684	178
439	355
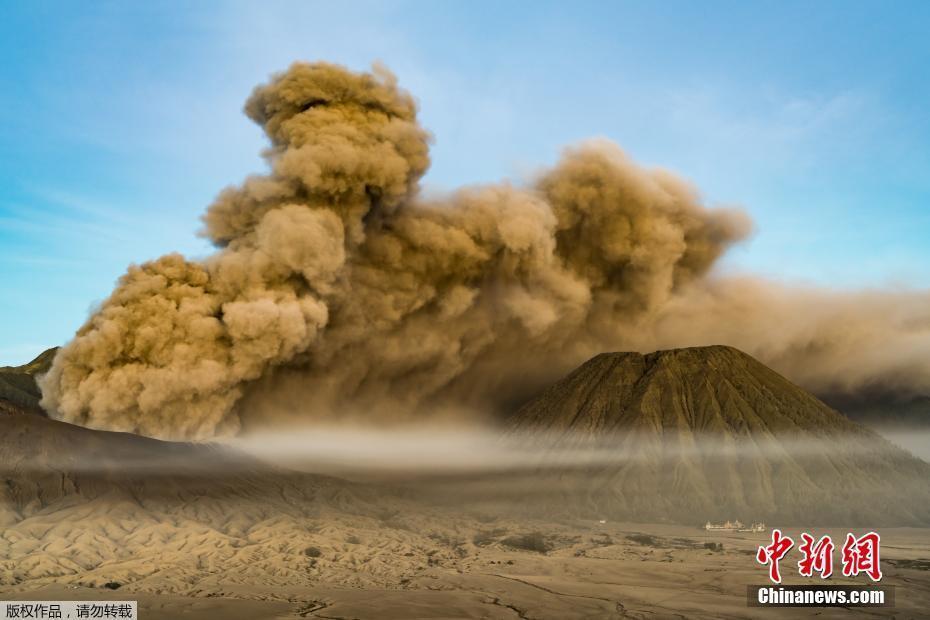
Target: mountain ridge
19	392
711	431
632	374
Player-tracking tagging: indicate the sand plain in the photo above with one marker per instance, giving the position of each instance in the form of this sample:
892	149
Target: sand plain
351	557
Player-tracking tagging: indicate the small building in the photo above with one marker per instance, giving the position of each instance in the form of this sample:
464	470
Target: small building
729	526
734	526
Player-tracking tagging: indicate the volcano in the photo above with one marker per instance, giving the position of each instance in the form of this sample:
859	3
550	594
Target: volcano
711	433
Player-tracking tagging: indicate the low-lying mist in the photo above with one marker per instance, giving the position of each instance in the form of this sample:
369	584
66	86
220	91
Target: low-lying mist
823	476
405	452
914	440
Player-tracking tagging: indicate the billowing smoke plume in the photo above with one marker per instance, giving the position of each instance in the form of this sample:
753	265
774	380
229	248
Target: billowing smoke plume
336	288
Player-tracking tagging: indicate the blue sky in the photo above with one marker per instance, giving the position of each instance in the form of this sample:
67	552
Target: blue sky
119	122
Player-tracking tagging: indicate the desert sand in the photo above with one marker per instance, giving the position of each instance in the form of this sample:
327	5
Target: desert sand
205	532
350	551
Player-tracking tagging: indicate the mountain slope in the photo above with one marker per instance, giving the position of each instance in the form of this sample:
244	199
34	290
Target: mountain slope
711	433
19	392
44	462
86	507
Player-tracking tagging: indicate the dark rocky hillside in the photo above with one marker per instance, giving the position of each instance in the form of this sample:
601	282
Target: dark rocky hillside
19	392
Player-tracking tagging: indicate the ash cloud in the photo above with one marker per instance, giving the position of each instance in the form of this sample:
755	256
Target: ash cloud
338	290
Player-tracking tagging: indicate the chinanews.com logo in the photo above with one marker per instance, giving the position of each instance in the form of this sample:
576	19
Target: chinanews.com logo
859	555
